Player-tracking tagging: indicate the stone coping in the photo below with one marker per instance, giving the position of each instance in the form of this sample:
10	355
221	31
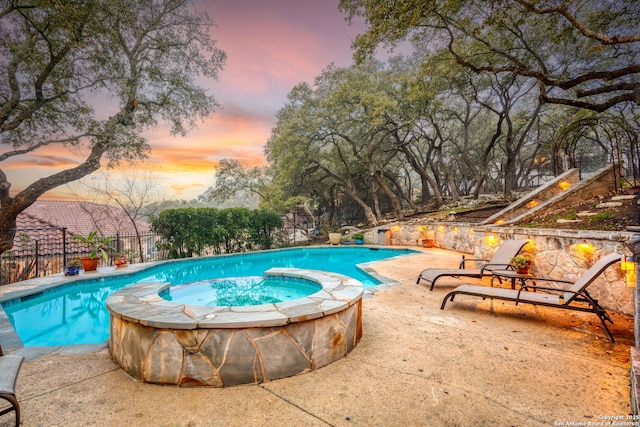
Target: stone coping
142	303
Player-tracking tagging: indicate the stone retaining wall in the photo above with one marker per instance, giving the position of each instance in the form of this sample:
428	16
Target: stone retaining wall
560	254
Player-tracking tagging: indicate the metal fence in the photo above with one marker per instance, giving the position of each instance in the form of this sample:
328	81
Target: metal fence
39	252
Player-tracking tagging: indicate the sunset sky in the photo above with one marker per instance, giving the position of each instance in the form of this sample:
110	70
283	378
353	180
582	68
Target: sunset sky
271	46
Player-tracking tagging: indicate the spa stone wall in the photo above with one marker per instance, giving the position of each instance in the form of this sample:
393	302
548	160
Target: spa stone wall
228	357
162	342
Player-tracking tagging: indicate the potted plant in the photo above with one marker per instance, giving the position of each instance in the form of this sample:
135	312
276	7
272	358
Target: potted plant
521	263
332	230
358	238
99	246
335	237
120	260
73	268
426	236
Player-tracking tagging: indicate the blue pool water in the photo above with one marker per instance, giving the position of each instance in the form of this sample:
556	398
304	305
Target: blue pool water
76	313
241	291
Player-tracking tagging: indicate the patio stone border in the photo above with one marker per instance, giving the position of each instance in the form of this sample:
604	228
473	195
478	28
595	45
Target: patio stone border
161	342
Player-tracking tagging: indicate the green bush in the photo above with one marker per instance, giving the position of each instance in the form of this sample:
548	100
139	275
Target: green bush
191	231
264	228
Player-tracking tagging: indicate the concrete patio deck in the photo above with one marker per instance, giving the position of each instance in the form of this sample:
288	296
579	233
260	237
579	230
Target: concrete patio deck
475	363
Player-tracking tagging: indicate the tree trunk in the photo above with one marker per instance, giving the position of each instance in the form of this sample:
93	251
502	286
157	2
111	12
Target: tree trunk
349	188
425	196
11	207
367	210
404	196
509	175
424	176
376	204
453	190
386	190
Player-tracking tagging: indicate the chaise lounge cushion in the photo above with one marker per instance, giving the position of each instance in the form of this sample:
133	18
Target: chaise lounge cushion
9	369
499	261
576	297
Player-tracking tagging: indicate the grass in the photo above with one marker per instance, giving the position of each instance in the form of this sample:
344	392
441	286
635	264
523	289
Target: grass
530	225
601	216
590	223
571	215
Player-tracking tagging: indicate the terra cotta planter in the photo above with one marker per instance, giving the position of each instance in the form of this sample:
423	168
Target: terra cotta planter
427	243
90	264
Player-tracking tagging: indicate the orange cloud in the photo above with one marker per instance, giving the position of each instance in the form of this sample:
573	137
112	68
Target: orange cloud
184	188
178	160
55	162
229	133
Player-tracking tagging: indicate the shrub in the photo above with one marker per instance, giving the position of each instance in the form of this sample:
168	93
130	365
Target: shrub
192	231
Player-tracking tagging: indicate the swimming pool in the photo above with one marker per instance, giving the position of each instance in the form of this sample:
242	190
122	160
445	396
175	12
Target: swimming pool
76	313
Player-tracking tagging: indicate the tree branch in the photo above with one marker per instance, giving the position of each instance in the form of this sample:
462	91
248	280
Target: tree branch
573	20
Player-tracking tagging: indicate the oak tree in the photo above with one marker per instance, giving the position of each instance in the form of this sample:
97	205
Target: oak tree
581	53
89	77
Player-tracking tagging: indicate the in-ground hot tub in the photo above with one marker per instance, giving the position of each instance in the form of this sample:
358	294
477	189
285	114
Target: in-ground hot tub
161	342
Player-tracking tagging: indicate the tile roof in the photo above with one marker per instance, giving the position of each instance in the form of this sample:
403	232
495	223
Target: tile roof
25	220
79	217
37	230
42	221
39	226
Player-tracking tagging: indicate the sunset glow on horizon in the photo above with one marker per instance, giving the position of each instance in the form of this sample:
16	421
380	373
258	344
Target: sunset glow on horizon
271	46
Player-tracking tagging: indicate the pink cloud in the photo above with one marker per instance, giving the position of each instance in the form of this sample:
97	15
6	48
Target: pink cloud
272	46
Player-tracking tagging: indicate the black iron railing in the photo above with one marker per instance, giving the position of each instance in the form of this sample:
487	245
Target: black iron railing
39	252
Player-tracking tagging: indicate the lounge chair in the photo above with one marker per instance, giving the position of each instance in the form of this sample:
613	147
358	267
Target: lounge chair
9	368
575	298
499	261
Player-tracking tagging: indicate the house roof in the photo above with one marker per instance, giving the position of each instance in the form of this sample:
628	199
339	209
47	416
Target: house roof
40	221
34	230
79	218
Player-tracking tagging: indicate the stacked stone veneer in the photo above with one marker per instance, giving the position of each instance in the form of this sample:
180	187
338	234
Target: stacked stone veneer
556	252
548	195
161	342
